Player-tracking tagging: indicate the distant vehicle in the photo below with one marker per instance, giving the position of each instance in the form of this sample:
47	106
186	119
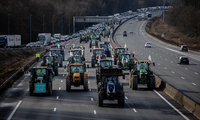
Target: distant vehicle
30	45
131	31
147	44
124	33
44	37
184	48
183	59
130	22
10	40
57	36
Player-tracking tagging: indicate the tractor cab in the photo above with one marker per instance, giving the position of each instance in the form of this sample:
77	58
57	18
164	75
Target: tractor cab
57	56
49	59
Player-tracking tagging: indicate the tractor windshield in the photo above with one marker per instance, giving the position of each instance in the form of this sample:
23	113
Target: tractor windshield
77	69
111	79
125	57
77	47
142	66
48	59
40	72
120	50
106	63
55	52
76	52
99	52
104	45
77	59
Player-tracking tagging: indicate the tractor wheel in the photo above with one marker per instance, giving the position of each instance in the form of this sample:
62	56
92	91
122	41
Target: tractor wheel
31	89
98	88
100	98
115	61
134	83
68	85
152	83
80	41
56	70
97	79
90	45
86	84
61	63
109	54
85	41
64	57
121	98
49	88
92	63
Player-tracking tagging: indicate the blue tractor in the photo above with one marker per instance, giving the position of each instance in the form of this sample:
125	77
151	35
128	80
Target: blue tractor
105	46
109	87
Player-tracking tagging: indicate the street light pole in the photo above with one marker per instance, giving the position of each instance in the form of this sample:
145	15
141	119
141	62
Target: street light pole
163	10
43	23
8	24
30	29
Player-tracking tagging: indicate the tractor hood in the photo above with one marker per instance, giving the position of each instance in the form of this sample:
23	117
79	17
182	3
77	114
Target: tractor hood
76	77
143	71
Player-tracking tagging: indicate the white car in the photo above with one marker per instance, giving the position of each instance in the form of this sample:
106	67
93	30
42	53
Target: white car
147	44
131	31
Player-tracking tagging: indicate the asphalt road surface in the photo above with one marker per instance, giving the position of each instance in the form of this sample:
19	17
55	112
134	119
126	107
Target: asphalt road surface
143	104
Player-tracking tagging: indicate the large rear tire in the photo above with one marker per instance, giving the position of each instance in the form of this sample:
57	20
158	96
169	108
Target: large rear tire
68	85
134	83
49	88
56	70
100	98
97	79
86	84
31	89
121	99
152	83
115	61
92	63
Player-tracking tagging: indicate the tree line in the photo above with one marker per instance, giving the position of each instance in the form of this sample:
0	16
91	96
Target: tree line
17	14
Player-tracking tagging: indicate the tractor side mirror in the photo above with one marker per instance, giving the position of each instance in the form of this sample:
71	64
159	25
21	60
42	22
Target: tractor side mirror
68	51
90	50
123	76
127	49
83	47
153	63
87	66
65	67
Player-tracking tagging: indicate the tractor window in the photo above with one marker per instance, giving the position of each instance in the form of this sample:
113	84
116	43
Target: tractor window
105	63
40	72
76	53
125	57
77	59
142	66
75	69
99	52
120	50
104	45
54	52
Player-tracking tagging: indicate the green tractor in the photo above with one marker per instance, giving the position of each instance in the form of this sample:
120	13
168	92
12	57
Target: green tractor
54	64
141	74
102	64
117	51
40	82
125	61
83	37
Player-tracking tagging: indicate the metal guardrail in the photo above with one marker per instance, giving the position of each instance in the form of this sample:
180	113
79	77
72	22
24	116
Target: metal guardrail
19	71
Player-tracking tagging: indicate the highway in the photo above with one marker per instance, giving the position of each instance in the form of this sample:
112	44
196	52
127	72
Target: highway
143	104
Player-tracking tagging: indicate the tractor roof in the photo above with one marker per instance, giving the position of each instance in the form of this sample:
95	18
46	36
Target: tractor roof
76	64
142	61
41	67
76	49
98	49
105	60
57	49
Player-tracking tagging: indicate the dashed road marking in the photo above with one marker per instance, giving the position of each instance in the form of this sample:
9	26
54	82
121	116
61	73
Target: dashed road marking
95	112
59	88
134	110
63	75
186	68
171	105
182	77
165	67
171	61
165	59
13	112
158	64
28	89
173	72
194	84
61	81
54	109
57	97
91	99
196	73
88	81
90	90
126	97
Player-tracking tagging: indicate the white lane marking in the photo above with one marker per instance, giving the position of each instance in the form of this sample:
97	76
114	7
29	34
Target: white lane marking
13	112
95	112
196	73
178	64
61	81
88	81
186	68
57	97
182	77
156	54
160	56
87	70
173	72
171	61
91	99
165	59
145	56
28	89
126	97
63	75
54	109
194	84
165	67
89	89
134	110
158	64
65	70
171	105
59	88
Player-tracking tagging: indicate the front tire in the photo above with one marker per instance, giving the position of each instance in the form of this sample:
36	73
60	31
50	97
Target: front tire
121	99
100	98
68	85
134	83
86	84
31	89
